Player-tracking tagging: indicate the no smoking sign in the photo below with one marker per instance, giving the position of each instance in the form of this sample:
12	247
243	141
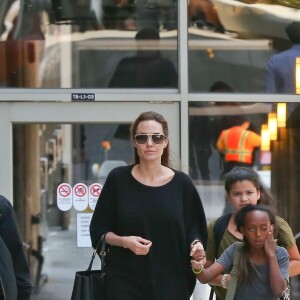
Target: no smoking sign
64	196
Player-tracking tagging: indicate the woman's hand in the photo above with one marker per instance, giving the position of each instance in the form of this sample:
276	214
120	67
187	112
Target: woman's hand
137	245
197	265
270	244
197	251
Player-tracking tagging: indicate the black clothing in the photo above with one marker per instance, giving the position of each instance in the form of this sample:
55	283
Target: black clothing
171	216
145	71
14	272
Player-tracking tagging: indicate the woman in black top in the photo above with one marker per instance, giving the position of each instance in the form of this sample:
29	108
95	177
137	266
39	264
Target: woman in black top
154	220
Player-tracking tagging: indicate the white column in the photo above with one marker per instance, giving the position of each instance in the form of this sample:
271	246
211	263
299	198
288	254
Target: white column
6	153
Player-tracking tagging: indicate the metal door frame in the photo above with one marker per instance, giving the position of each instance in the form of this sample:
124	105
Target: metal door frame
76	112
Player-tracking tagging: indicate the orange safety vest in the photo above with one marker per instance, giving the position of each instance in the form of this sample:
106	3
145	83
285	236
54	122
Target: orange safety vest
238	144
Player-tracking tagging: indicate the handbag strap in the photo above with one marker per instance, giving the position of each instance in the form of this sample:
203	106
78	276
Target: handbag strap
100	246
234	274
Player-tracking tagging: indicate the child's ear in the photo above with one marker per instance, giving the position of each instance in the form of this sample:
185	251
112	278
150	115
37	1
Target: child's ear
272	229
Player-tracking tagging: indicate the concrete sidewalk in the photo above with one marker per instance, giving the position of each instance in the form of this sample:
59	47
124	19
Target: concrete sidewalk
62	260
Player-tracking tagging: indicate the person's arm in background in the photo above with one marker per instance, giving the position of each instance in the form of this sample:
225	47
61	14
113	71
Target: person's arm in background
255	139
294	268
286	239
220	142
10	233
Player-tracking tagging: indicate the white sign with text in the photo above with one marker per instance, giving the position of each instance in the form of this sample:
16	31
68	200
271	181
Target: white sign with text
83	229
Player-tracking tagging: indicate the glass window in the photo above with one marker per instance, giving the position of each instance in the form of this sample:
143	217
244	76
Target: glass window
217	143
89	44
252	46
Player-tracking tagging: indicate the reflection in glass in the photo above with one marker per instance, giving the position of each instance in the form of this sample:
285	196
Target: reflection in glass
203	14
237	43
146	69
158	14
51	44
277	165
281	67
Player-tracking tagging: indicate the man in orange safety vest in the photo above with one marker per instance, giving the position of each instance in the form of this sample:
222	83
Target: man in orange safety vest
237	145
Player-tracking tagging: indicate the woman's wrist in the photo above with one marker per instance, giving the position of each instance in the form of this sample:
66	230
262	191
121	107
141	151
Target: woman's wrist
198	271
124	242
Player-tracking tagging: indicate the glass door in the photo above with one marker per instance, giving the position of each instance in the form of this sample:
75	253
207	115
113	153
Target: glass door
62	153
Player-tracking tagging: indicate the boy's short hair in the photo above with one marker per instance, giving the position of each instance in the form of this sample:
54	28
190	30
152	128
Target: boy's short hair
293	32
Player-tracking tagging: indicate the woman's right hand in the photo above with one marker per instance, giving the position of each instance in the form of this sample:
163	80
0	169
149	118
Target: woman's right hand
196	264
137	245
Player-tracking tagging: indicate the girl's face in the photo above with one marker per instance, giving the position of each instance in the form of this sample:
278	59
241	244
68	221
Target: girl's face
257	228
150	150
242	193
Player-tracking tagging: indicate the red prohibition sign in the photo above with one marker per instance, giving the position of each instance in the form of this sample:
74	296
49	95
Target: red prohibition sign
95	190
80	190
64	190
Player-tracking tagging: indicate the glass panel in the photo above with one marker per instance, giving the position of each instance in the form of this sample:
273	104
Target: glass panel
52	159
209	143
235	42
216	132
88	43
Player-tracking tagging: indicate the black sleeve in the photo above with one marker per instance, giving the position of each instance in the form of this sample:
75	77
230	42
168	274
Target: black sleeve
10	233
103	219
195	218
199	217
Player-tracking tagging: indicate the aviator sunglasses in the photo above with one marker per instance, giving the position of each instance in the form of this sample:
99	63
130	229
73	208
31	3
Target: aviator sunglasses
143	138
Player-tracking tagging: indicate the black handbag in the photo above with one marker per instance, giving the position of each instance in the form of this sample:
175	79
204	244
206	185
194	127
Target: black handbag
89	284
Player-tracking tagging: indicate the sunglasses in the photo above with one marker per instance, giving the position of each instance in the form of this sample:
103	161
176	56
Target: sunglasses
143	138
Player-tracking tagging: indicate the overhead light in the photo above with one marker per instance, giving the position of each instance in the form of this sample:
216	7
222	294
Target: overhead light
281	114
272	125
297	75
265	138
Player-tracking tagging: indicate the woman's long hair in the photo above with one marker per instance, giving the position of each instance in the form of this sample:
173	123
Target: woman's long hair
246	266
152	116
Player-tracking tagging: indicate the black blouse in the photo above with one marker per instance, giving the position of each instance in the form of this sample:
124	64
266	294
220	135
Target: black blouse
171	216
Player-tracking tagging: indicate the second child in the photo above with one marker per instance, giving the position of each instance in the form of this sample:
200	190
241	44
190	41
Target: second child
263	266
